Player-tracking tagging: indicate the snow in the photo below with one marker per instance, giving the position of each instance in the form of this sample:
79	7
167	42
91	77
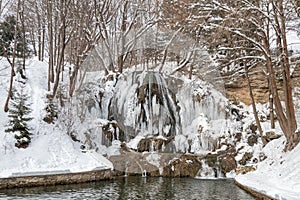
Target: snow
133	144
293	40
114	149
279	175
51	150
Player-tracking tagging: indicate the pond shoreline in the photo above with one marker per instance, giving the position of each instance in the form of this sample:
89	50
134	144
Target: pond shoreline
56	179
134	187
84	177
253	192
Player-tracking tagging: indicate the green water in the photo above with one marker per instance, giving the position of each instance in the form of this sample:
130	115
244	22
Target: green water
135	188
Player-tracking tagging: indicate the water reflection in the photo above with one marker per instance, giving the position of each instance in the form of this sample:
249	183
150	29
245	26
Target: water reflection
135	188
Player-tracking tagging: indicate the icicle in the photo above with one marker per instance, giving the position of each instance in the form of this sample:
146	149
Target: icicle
144	174
126	169
151	146
145	105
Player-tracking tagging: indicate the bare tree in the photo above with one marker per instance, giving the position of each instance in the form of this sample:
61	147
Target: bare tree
249	22
12	62
4	5
87	35
50	43
64	38
114	26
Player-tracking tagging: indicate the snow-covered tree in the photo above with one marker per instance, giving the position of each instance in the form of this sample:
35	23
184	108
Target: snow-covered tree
245	32
19	117
51	111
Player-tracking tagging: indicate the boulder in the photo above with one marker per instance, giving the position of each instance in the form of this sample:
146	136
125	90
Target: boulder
184	166
133	164
246	157
238	136
253	128
153	144
228	164
252	139
244	169
271	135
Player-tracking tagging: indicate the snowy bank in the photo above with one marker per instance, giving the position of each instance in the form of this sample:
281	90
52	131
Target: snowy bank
51	153
278	176
51	150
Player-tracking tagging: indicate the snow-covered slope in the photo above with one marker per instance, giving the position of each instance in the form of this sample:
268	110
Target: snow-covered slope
51	149
50	152
279	175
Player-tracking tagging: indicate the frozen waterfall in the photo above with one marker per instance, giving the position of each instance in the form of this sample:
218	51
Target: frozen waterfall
178	111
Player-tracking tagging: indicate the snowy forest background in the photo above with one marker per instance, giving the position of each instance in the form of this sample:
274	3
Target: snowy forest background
184	76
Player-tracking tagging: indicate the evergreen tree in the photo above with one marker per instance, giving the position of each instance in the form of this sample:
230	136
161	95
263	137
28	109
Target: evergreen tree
52	111
19	116
7	30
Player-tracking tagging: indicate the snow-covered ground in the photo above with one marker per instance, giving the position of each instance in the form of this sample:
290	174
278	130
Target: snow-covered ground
279	175
51	149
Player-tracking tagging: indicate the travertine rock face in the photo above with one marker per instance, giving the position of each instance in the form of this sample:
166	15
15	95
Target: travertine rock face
172	165
56	179
154	144
237	90
184	166
133	164
228	163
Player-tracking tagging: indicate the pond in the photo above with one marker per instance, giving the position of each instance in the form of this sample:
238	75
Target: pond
135	188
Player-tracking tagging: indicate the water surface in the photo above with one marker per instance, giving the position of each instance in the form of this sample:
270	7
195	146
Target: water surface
135	188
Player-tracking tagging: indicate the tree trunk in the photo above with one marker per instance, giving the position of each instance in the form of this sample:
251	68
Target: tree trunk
55	35
291	136
271	107
39	32
122	44
271	100
22	17
43	43
32	38
286	120
50	35
73	78
39	44
274	90
12	64
253	105
61	47
12	74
